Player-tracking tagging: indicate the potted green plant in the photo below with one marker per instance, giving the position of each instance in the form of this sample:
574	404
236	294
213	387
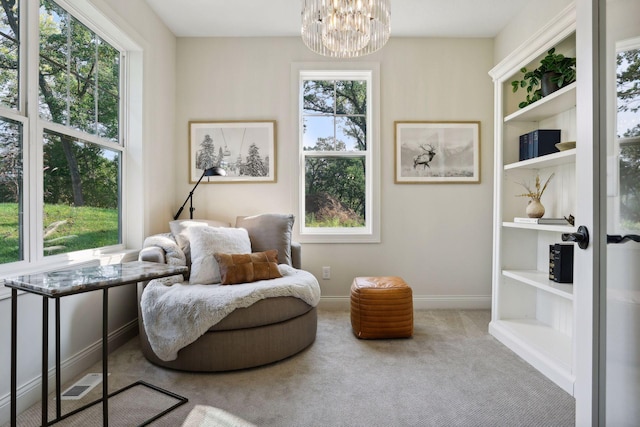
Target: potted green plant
554	72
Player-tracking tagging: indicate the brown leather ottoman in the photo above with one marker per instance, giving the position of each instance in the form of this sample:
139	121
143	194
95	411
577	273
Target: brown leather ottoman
381	307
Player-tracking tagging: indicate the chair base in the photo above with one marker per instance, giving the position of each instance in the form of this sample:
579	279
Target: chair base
228	350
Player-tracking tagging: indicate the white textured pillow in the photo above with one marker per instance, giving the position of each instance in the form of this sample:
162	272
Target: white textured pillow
180	230
206	241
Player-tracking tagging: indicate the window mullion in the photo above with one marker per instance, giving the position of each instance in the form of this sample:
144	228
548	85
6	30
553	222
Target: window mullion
94	139
33	212
96	94
22	71
335	112
335	154
69	73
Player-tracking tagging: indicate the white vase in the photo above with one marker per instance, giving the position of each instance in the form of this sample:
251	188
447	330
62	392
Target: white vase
535	208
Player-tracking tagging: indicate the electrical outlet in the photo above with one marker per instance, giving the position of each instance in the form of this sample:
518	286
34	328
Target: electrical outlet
326	273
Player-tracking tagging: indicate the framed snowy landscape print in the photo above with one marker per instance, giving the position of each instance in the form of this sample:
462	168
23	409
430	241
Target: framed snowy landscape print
437	152
245	150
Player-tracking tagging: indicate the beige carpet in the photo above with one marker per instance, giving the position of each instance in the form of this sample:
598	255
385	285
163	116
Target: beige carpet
451	373
208	416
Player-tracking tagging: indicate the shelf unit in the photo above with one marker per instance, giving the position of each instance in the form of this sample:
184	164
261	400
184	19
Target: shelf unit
531	314
559	101
540	280
555	159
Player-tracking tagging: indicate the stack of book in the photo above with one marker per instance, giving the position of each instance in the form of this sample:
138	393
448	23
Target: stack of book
538	143
542	221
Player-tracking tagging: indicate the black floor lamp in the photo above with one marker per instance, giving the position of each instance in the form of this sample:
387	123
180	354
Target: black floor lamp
214	171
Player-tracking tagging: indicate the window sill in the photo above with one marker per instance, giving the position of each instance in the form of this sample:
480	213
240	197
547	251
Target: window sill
337	238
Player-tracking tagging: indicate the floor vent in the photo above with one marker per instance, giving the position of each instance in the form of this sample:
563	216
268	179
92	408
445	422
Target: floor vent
81	387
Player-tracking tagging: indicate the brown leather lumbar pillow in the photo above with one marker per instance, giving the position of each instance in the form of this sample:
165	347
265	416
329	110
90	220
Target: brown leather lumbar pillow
245	268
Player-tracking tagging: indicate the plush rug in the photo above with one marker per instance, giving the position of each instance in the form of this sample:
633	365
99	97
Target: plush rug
451	373
208	416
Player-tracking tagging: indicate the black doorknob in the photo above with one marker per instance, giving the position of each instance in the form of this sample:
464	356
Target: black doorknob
581	237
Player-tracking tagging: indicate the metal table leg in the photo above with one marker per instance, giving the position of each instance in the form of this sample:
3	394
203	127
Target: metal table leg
58	376
14	350
45	360
105	357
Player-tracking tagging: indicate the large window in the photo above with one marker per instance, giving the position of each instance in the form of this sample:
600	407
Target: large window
337	156
61	151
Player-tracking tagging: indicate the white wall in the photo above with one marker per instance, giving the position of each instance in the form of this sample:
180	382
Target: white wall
81	324
534	15
438	236
159	109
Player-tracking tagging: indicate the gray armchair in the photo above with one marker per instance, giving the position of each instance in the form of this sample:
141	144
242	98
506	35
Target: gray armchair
267	331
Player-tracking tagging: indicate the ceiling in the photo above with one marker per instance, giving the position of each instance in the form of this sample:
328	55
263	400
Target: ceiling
281	18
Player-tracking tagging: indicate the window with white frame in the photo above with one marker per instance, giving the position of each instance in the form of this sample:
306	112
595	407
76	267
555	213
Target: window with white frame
61	151
337	149
628	136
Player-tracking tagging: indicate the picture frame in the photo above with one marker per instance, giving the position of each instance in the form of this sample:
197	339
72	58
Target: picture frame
246	150
429	152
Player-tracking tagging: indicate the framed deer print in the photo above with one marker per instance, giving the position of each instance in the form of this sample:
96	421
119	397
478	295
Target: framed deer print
245	150
437	152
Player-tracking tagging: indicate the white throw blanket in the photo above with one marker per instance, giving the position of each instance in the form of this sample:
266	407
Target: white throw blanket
175	316
173	254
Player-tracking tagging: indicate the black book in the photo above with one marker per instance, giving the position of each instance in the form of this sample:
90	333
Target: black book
524	147
538	143
543	141
561	263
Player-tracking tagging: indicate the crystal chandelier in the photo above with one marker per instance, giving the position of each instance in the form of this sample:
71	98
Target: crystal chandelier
345	28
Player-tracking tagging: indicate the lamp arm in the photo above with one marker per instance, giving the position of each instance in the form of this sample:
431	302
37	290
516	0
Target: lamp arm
189	197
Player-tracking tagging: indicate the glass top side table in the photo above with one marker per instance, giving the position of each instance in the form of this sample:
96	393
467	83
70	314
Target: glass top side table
58	284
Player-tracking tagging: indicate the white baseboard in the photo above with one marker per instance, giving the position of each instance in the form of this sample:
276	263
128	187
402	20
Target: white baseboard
29	392
420	302
452	302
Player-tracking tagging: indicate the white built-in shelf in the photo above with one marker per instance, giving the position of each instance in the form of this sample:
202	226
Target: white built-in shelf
559	101
554	159
552	348
530	314
540	280
541	227
545	339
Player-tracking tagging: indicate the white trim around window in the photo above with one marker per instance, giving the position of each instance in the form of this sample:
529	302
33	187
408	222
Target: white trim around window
341	71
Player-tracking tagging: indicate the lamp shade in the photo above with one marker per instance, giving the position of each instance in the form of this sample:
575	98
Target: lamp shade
214	171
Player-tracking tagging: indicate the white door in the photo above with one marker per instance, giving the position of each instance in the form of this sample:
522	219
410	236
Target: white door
620	358
607	388
590	172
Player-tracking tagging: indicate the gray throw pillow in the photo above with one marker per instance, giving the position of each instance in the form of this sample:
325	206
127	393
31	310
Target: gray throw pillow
269	231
